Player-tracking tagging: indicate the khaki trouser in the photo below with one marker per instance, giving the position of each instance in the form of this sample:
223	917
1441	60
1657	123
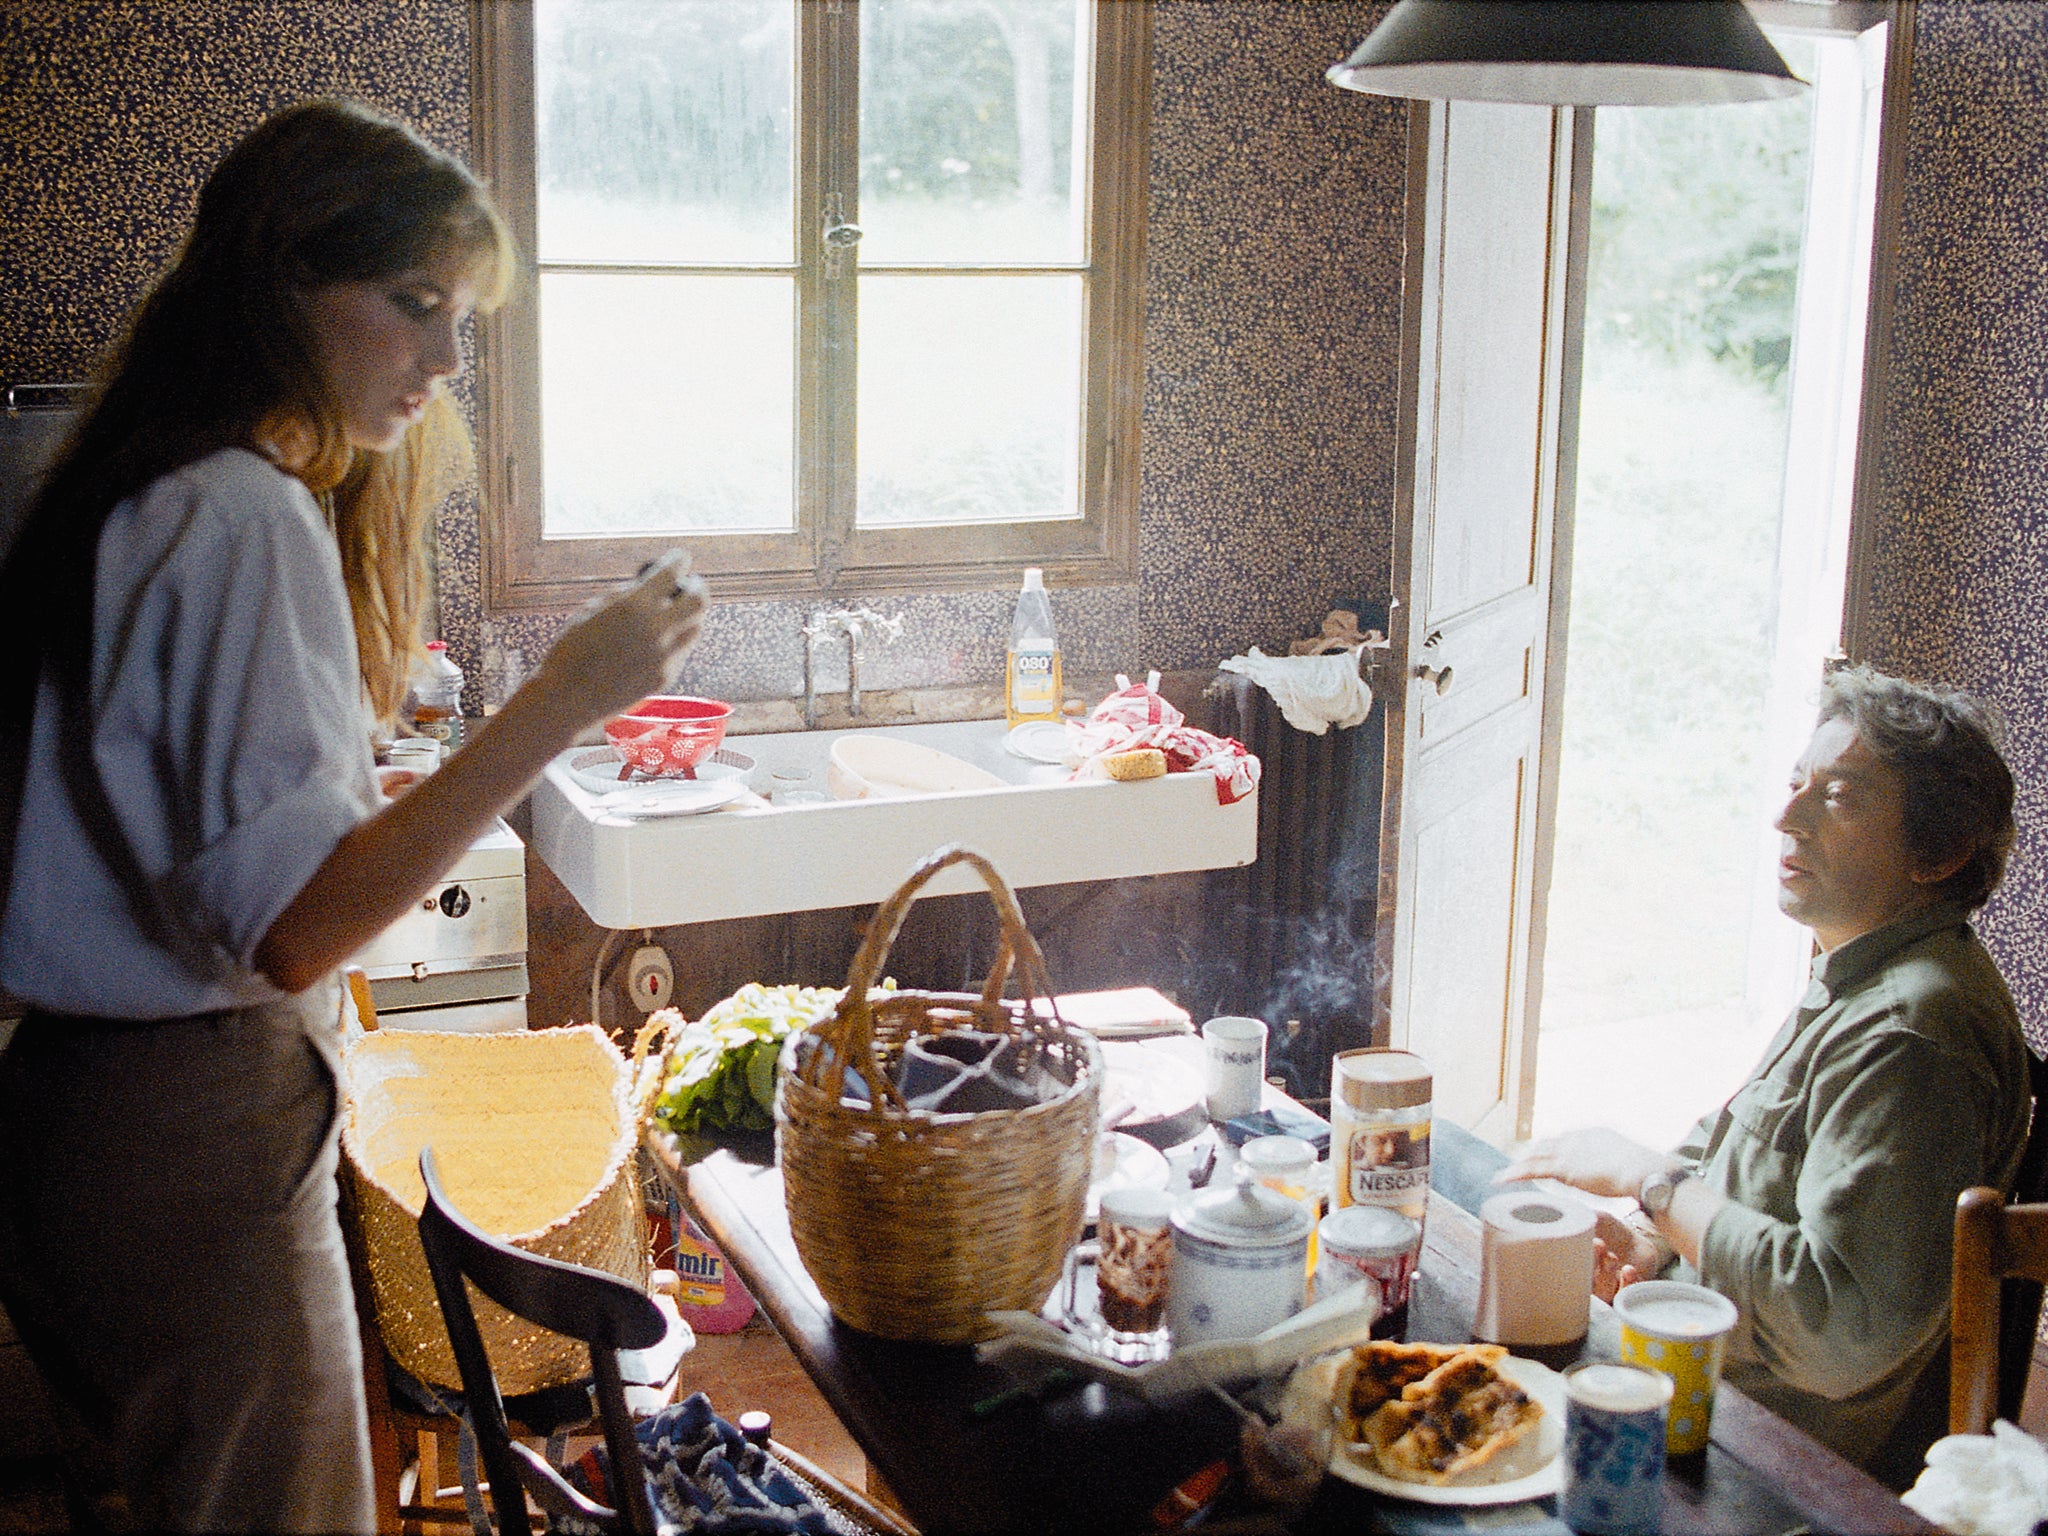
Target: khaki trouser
171	1255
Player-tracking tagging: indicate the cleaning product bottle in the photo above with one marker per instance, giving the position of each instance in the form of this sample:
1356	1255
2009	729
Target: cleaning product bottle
1031	686
437	697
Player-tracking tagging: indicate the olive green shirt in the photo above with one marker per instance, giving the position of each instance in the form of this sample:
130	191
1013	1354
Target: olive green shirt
1898	1082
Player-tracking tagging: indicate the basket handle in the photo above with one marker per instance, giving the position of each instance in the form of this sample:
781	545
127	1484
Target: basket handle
646	1067
850	1029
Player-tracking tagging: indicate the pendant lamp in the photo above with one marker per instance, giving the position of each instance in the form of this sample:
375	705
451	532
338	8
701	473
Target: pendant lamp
1580	53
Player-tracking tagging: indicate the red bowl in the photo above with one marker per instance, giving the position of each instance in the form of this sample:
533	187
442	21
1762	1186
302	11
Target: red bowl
667	736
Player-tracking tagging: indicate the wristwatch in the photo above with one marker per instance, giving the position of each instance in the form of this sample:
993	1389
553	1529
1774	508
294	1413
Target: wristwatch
1659	1187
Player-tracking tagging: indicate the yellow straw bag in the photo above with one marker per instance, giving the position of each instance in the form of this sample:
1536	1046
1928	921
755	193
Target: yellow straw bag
536	1133
913	1224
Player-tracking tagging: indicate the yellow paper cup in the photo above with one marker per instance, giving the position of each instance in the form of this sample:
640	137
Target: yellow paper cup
1681	1330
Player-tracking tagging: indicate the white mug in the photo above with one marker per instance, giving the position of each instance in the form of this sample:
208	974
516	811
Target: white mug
1237	1065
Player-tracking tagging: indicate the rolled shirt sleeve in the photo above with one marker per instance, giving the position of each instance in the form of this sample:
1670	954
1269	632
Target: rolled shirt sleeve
230	744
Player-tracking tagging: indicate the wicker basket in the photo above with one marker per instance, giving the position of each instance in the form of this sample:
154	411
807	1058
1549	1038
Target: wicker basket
536	1133
915	1225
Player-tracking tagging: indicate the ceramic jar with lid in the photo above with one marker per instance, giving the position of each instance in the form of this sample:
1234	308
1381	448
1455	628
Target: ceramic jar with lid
1239	1262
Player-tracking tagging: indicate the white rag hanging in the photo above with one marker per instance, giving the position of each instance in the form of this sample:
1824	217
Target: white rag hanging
1313	692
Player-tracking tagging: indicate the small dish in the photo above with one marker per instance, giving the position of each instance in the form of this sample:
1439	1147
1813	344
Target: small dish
1038	741
597	770
671	797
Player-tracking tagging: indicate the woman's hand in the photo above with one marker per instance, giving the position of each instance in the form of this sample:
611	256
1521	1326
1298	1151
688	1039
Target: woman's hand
624	646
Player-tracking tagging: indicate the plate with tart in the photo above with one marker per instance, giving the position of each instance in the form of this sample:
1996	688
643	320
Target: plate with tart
1436	1423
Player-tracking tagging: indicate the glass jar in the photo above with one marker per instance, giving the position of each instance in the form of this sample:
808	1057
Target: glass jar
1287	1164
1379	1131
1371	1243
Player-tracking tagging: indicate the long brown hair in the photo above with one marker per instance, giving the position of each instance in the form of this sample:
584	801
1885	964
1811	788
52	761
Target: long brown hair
220	353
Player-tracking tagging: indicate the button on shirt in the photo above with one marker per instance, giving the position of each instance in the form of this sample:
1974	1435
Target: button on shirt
229	743
1900	1081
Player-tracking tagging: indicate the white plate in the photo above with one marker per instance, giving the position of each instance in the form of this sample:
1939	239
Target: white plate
1531	1470
671	797
597	770
1124	1162
1040	741
1165	1092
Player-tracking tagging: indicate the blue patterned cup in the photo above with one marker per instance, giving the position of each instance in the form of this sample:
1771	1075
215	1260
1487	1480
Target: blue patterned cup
1614	1450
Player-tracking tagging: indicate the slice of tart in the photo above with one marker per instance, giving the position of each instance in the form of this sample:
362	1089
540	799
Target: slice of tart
1451	1423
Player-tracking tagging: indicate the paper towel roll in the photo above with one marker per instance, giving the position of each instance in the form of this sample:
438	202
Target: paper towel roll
1535	1270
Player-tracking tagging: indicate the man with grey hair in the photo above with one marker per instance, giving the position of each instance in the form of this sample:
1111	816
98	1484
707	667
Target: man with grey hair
1821	1198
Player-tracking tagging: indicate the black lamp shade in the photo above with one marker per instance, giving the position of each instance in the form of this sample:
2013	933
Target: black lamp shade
1584	53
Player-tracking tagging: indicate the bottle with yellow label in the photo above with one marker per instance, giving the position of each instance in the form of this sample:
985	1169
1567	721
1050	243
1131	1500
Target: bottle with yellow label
1031	683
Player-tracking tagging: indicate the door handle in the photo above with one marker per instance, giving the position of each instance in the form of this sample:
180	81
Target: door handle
1437	677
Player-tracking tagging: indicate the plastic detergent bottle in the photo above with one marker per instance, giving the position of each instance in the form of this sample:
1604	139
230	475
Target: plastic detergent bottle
1031	684
437	697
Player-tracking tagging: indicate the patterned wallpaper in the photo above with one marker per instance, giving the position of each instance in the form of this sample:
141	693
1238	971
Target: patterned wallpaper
1957	589
1272	329
1272	326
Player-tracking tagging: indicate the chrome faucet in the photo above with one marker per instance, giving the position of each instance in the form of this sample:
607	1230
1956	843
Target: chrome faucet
857	625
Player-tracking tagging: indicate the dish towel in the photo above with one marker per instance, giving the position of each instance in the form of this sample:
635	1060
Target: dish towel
1313	692
1136	716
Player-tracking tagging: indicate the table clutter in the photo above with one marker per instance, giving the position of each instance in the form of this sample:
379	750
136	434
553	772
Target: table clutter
1246	1327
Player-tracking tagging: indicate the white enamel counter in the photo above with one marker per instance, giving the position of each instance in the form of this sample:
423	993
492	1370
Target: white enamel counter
752	860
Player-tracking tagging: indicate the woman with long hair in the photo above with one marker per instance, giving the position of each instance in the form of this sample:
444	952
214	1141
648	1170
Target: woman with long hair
216	589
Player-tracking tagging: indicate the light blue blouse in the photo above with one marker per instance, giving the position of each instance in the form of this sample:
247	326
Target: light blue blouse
231	747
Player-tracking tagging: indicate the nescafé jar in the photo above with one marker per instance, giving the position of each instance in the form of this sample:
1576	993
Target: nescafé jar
1379	1131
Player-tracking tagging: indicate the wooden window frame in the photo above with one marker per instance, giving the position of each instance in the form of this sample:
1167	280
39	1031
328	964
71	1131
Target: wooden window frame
824	555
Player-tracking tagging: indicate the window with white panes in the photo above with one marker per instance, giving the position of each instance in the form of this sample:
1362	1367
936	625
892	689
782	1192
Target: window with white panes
835	293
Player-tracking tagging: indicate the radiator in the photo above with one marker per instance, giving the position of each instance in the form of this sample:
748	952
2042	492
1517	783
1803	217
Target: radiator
1292	933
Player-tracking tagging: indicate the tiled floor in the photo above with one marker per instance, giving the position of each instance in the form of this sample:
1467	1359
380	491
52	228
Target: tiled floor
738	1372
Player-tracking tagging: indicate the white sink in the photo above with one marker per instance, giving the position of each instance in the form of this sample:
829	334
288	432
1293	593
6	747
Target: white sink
746	861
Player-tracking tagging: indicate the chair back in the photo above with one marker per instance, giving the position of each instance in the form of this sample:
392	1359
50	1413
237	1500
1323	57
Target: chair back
2019	1315
2001	1262
603	1311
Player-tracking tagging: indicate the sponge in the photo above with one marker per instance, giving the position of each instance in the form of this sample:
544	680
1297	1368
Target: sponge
1144	763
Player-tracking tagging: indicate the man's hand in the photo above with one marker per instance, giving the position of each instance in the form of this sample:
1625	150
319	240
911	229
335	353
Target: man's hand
1623	1254
1600	1162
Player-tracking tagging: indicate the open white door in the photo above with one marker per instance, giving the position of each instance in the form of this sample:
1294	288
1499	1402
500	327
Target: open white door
1490	366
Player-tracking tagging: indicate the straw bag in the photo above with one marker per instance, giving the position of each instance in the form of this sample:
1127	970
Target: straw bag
536	1133
915	1224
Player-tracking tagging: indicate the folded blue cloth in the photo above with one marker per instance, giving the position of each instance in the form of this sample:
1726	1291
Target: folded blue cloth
702	1475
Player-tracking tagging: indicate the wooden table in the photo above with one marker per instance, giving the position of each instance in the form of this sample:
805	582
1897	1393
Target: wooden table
1093	1459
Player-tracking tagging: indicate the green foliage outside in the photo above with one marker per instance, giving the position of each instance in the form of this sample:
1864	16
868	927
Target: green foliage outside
1698	215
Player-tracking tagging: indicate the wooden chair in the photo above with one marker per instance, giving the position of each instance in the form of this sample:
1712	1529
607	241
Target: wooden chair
600	1309
2001	1262
607	1314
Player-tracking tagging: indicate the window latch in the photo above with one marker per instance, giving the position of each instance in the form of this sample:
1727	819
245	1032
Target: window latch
840	237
